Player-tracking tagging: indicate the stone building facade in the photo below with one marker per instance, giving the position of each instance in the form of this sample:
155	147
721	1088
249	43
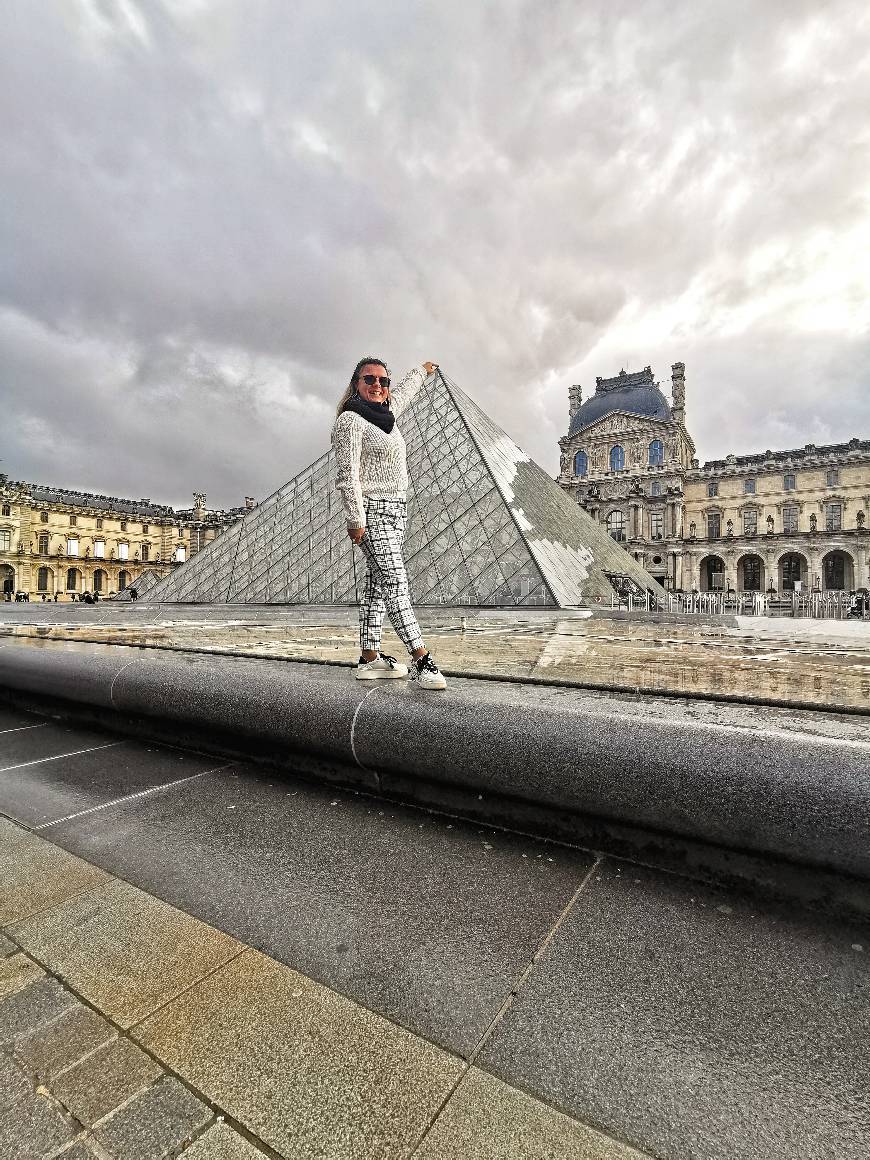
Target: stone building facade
59	542
746	523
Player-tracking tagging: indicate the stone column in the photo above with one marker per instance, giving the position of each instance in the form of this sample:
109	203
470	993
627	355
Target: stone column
770	576
689	580
861	578
731	569
814	565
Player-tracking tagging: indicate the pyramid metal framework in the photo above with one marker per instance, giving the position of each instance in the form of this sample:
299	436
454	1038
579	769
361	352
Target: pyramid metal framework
486	526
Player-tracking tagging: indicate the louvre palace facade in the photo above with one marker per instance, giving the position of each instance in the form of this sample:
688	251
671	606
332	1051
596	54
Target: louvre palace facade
60	543
746	523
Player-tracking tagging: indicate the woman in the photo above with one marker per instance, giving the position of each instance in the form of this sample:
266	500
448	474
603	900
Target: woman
373	480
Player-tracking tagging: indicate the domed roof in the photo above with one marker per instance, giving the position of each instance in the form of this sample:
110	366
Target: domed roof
636	393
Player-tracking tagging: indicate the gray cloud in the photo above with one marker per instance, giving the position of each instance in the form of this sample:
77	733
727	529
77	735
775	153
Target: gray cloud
212	209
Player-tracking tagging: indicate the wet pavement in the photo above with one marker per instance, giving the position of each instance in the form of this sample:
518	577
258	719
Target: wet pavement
812	663
209	959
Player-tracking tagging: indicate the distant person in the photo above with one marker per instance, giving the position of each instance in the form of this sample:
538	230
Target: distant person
134	595
372	477
96	598
56	596
87	598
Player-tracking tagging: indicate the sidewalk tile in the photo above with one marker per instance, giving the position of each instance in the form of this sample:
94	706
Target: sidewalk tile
16	973
35	874
306	1070
105	1080
14	1084
7	946
32	1008
489	1120
124	951
696	1022
424	920
222	1143
31	1129
80	1150
64	1042
154	1124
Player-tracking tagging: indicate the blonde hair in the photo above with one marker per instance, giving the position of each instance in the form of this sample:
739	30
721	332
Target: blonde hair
350	390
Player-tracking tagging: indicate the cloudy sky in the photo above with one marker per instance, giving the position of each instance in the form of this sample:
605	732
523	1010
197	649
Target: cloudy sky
212	208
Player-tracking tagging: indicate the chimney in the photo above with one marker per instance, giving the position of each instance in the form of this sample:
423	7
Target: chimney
199	498
678	392
575	400
249	502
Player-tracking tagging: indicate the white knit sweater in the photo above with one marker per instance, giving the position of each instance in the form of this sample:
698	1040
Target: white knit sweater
371	464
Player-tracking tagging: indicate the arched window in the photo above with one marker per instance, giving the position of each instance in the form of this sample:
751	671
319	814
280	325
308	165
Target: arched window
42	578
581	464
72	579
792	567
123	580
656	453
712	574
99	580
617	459
616	525
835	571
752	573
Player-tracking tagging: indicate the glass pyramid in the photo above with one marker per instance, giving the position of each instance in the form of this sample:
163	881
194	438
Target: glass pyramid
486	526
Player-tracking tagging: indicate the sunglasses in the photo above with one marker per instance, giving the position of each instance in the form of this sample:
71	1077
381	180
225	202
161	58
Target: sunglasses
370	381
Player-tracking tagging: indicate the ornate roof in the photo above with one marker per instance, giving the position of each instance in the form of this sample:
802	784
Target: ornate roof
637	393
44	494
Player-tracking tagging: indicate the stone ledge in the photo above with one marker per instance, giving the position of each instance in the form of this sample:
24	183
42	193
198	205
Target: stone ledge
723	790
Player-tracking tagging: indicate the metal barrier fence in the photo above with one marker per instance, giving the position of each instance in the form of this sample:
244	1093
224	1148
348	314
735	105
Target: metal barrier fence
819	605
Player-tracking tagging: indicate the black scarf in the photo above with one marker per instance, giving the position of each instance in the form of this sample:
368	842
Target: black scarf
377	413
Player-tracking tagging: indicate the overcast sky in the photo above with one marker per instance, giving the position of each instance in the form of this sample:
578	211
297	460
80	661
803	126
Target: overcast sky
211	209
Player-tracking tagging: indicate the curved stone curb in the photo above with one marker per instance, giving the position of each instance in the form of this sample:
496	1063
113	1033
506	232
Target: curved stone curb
793	786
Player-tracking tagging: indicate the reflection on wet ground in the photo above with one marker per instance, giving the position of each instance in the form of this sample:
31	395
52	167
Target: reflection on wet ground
808	662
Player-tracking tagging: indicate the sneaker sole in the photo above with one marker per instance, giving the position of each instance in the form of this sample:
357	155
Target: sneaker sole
391	676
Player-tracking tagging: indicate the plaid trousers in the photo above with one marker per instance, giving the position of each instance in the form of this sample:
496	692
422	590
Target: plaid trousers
386	583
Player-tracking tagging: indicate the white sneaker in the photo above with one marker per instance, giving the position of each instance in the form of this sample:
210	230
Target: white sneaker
382	667
427	673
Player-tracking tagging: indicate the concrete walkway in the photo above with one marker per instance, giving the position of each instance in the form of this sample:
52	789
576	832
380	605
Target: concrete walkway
213	961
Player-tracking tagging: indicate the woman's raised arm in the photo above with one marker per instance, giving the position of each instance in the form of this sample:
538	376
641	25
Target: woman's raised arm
405	390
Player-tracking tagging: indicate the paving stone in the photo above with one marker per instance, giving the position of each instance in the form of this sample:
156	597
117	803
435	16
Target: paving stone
18	972
32	1129
80	1150
14	1084
697	1023
30	1009
7	946
155	1123
489	1120
64	1042
222	1143
124	951
34	874
424	920
307	1071
105	1080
